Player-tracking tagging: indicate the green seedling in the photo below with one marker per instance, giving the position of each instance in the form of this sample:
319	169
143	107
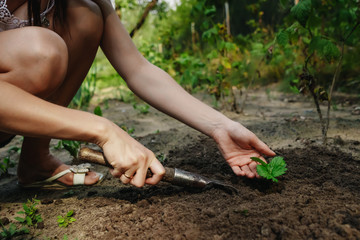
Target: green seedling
98	111
32	218
161	157
142	108
275	168
5	164
12	231
66	220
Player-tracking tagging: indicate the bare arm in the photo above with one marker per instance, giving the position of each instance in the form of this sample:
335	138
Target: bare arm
152	84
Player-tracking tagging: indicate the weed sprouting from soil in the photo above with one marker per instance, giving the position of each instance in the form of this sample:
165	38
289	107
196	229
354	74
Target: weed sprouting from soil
32	218
64	221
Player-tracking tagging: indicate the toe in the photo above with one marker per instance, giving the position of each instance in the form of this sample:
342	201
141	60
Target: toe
91	178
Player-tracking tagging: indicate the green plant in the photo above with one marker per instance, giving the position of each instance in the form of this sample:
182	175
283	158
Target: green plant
322	30
97	111
142	108
275	168
12	231
32	218
161	157
5	164
71	146
64	221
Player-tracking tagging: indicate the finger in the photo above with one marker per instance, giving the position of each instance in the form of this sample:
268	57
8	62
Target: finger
158	172
247	171
115	172
139	178
252	167
237	170
127	176
261	147
239	161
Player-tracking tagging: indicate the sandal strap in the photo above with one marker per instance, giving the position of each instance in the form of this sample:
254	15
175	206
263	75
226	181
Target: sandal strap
79	178
80	173
56	176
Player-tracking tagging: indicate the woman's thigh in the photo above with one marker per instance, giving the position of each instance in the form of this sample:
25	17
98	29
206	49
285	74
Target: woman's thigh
33	58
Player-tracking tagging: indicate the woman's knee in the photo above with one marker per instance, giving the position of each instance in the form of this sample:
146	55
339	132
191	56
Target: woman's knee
43	65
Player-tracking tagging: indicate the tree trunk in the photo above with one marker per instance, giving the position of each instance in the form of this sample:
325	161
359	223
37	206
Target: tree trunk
227	13
150	6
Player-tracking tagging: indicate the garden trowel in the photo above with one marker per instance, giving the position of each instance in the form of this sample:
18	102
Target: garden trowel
174	176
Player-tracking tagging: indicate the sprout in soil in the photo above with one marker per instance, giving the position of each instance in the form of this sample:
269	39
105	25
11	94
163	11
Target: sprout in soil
275	168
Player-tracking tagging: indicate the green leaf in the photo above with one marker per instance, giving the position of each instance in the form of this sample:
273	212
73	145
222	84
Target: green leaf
259	161
209	33
12	229
277	166
324	47
24	230
97	111
264	171
61	220
210	11
20	219
26	208
283	3
331	51
70	213
28	221
282	38
301	11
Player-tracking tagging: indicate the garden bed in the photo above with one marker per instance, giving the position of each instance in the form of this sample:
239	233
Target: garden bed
318	197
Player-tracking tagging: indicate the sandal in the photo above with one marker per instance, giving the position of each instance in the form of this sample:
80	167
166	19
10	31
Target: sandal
52	183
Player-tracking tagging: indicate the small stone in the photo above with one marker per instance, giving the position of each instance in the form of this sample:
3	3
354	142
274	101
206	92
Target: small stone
40	225
47	201
58	202
4	221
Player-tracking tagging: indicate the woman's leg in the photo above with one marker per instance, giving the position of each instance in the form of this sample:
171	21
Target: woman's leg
82	37
22	52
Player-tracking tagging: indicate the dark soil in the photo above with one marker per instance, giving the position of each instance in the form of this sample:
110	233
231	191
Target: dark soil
318	197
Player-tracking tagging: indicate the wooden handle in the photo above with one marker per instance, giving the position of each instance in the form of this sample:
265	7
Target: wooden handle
92	156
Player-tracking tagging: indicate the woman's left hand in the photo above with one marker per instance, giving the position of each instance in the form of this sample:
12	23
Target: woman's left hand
237	144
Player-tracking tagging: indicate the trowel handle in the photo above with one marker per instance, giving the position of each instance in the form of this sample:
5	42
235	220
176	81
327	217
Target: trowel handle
92	156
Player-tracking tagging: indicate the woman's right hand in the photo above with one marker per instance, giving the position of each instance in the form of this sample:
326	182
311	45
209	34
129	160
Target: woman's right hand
130	159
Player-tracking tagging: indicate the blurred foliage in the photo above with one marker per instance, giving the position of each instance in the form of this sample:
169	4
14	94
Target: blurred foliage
324	33
268	42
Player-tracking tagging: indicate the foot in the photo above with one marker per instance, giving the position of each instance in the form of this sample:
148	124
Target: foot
37	167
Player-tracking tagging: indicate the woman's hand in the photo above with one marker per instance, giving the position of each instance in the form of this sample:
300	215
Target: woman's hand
238	145
130	159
